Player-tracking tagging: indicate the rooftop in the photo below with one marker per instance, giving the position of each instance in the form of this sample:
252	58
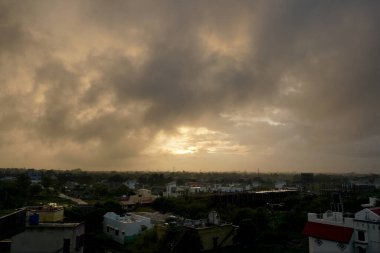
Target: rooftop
6	212
376	210
51	207
127	218
54	225
328	232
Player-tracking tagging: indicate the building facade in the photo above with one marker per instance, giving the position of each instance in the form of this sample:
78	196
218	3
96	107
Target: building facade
12	223
142	197
50	237
332	232
125	228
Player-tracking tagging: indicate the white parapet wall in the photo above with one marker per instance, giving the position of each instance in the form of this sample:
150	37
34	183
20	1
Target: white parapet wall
124	228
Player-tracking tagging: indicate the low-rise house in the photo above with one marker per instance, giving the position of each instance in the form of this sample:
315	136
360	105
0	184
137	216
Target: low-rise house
279	185
171	190
142	197
125	228
50	237
231	188
197	189
333	232
46	232
213	232
227	188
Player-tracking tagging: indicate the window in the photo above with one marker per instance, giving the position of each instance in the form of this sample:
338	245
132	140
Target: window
341	246
116	231
108	228
361	236
318	241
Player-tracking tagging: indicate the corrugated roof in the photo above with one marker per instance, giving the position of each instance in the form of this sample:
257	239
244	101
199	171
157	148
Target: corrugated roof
328	232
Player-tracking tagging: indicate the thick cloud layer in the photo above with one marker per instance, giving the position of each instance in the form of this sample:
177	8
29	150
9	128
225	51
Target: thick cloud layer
200	85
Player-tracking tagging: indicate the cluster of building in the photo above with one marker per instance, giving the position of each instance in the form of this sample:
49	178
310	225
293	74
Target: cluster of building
213	232
174	190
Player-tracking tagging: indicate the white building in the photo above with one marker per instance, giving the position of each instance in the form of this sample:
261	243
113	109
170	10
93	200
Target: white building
50	237
131	184
279	185
171	190
372	202
197	189
332	232
123	229
230	188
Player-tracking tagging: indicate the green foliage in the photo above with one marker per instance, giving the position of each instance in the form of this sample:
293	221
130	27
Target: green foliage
120	191
190	243
183	206
23	181
247	233
11	195
35	189
19	193
100	190
147	242
116	177
47	181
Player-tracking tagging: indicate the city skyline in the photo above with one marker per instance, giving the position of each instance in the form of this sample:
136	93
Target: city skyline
191	85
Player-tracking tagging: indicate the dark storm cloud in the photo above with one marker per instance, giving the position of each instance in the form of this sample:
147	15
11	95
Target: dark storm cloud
105	77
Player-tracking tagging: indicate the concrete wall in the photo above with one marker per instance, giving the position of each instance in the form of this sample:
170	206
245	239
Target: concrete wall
47	239
51	216
328	246
371	233
365	221
12	224
223	235
126	229
333	218
367	215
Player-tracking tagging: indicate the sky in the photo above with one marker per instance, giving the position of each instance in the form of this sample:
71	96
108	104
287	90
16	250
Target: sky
275	86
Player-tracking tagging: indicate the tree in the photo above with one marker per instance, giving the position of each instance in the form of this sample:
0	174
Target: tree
247	233
35	189
23	182
190	243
